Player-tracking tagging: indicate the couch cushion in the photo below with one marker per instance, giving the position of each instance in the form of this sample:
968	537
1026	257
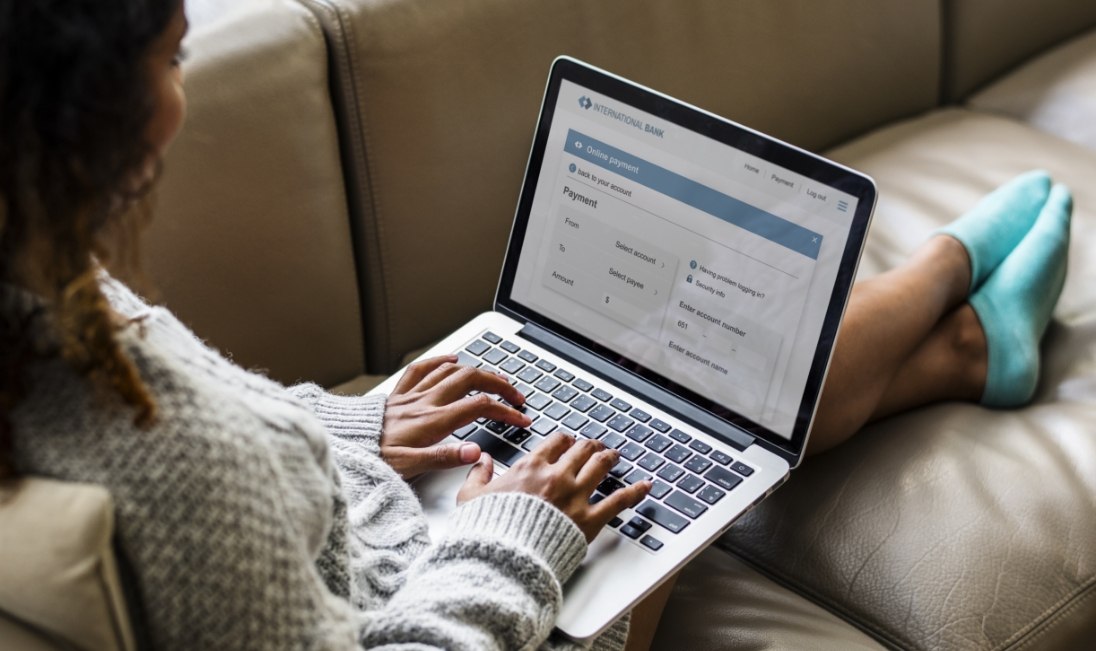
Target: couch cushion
58	579
440	101
720	603
251	242
985	38
1056	92
955	526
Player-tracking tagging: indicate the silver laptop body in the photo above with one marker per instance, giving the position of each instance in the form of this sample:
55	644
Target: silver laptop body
673	286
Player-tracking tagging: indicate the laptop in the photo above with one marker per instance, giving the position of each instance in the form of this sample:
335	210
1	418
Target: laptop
673	287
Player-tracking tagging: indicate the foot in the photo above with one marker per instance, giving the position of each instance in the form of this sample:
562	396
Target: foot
1015	303
997	224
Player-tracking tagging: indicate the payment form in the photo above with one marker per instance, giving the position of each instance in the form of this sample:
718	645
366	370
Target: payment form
706	264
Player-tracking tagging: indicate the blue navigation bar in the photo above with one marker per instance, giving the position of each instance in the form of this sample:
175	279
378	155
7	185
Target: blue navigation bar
699	196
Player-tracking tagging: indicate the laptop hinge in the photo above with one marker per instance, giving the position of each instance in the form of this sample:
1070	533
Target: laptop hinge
613	374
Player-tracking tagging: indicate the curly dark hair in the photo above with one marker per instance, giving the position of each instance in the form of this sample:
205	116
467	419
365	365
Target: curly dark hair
75	102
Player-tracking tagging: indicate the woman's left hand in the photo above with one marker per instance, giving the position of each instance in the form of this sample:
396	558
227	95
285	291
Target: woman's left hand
430	401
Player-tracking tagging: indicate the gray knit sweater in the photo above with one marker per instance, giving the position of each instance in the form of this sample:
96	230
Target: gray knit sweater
259	517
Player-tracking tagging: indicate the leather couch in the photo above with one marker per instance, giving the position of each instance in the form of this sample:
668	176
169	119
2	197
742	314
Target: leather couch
342	195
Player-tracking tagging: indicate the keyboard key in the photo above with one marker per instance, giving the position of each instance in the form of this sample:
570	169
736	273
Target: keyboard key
640	415
690	483
501	452
630	531
742	468
701	447
463	432
524	389
616	522
613	440
544	426
512	365
532	442
527	356
602	395
685	504
517	436
632	451
575	421
583	403
725	478
621	468
680	437
464	359
651	543
636	476
638	433
662	516
497	427
529	375
478	347
593	431
651	462
565	376
710	494
546	366
494	356
556	411
492	337
677	454
659	489
671	473
565	393
595	498
509	347
538	401
722	458
660	425
582	385
640	523
620	405
601	413
698	464
659	443
620	422
547	384
609	485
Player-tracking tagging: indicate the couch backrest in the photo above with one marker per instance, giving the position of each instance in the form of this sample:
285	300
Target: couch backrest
986	38
251	242
438	102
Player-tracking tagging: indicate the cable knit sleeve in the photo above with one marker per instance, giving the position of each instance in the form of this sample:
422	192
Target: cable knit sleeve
492	582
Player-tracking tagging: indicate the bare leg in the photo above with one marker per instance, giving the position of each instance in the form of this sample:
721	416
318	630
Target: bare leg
908	339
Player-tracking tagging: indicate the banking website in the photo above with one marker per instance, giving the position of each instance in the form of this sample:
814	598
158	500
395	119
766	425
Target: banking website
703	263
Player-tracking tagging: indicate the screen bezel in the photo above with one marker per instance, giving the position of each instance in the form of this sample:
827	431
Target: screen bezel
730	134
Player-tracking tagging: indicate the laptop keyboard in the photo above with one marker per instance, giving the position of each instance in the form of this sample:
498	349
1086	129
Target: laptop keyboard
688	475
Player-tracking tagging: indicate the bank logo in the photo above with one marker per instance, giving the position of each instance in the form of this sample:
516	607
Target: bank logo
585	102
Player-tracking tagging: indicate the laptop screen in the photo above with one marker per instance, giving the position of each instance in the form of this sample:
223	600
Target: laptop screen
704	255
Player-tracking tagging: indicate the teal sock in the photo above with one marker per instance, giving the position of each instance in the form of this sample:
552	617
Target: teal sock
1015	303
997	224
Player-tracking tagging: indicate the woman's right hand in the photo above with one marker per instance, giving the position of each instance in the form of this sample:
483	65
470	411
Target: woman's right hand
563	472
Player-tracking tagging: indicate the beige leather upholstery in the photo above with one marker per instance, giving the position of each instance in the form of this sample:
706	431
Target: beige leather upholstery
720	603
986	38
439	101
956	527
59	583
251	242
1056	92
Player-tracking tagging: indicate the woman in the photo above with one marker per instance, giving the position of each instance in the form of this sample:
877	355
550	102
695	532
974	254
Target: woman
255	516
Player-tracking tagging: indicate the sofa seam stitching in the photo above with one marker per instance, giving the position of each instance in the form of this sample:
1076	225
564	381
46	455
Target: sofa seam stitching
1047	618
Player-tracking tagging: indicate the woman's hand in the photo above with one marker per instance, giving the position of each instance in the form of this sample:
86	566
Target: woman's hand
564	472
429	402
